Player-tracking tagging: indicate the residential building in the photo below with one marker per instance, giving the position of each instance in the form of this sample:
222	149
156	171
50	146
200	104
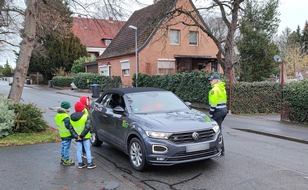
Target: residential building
165	45
96	35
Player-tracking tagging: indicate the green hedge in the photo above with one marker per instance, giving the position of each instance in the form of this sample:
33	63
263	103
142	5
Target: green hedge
84	80
256	97
296	101
259	97
61	81
247	98
193	87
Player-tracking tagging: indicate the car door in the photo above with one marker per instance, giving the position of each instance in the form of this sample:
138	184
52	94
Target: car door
100	115
111	120
120	125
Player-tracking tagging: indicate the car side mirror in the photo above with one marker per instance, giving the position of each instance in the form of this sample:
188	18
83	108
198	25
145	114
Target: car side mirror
118	110
98	107
188	104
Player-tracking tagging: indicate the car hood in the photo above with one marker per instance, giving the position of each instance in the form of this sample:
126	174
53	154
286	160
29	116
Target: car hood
176	121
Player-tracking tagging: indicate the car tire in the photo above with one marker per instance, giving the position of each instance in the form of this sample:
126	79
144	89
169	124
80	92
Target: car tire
137	156
94	139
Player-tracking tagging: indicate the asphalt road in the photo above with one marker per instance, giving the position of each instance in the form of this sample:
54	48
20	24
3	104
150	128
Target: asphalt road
252	161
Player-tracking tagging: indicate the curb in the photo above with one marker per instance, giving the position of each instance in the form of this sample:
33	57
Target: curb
274	135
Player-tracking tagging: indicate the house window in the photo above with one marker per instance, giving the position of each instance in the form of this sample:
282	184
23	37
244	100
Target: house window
107	42
214	67
175	37
125	66
165	66
104	70
193	38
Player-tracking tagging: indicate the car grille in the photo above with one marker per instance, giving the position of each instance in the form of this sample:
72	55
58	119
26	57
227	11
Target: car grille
180	138
182	156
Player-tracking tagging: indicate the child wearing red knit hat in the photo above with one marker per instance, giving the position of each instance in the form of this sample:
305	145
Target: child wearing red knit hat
81	124
85	100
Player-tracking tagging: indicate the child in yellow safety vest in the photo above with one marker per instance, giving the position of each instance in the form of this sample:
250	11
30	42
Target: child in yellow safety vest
81	124
62	120
85	100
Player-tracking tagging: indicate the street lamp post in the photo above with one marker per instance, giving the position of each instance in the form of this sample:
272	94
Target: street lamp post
278	59
136	51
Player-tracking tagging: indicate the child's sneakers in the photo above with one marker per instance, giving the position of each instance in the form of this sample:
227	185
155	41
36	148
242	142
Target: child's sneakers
85	156
91	166
81	165
67	162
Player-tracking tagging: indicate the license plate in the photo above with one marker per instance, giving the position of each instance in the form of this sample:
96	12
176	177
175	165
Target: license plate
197	147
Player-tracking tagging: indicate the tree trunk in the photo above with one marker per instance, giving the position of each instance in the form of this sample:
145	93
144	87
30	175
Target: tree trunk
26	48
228	50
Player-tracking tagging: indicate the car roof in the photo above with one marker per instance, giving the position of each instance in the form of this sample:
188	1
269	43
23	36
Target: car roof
123	91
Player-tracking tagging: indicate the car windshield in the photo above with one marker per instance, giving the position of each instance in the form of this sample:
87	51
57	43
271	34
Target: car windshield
155	102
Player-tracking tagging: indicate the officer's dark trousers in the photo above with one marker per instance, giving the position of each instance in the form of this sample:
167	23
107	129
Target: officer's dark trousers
219	116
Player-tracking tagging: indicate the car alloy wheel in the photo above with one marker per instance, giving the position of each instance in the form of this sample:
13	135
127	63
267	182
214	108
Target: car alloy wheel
137	154
94	139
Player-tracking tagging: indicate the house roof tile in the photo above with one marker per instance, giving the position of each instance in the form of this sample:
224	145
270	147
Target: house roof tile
146	20
92	31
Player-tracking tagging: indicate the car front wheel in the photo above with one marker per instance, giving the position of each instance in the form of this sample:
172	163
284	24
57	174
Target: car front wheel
94	139
137	155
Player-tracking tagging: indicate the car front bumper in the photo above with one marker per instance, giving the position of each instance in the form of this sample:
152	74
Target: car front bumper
172	153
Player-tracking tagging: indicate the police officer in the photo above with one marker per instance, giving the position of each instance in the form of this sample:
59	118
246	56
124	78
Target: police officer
218	102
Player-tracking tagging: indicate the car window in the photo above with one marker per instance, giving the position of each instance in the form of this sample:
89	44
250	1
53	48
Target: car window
155	102
106	99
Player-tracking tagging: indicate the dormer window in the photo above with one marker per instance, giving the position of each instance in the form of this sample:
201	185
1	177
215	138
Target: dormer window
107	41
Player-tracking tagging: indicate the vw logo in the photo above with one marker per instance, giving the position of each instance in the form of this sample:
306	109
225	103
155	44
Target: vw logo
195	136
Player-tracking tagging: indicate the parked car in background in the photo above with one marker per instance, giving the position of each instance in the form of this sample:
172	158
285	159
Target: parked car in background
153	126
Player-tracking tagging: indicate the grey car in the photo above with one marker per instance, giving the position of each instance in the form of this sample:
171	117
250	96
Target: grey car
153	127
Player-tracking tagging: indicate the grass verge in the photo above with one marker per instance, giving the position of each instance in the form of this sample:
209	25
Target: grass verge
47	136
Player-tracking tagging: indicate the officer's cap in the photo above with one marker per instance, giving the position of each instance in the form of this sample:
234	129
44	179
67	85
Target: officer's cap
214	76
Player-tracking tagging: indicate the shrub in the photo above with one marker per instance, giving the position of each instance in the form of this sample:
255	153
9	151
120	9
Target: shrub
111	82
296	101
62	81
84	80
7	117
29	118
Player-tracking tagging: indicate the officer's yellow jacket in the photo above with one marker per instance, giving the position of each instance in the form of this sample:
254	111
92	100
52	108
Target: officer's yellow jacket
217	97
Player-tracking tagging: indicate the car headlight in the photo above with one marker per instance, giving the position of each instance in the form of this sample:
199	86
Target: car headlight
158	135
215	127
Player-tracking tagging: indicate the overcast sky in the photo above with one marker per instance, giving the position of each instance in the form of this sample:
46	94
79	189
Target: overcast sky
293	13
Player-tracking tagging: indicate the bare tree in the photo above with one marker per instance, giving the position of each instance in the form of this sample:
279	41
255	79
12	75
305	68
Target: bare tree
26	48
48	18
11	18
295	61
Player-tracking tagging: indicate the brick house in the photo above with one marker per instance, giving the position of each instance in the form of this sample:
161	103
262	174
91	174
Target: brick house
164	47
96	35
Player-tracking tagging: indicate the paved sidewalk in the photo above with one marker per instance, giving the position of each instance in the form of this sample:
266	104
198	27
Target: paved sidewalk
270	125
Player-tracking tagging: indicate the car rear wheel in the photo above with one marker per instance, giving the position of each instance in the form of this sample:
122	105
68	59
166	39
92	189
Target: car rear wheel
137	155
94	139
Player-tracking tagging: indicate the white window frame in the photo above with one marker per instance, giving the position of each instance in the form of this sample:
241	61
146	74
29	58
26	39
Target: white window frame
125	67
191	42
107	41
104	70
175	37
166	64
